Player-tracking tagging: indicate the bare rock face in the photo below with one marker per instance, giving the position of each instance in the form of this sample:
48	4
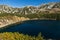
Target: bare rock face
50	7
30	9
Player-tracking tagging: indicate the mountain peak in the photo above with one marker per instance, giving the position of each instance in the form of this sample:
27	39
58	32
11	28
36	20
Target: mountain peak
50	5
29	9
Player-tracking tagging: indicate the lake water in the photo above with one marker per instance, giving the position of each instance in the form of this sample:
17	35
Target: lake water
48	28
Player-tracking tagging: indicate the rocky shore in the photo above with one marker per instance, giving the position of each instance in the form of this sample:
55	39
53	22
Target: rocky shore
4	21
8	20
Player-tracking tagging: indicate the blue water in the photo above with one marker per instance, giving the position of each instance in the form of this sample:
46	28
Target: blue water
48	28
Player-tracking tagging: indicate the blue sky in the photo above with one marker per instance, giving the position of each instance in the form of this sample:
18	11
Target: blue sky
21	3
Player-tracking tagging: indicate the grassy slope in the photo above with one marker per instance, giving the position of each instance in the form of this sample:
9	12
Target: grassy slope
31	16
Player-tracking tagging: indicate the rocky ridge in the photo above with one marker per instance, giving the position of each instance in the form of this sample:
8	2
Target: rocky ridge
31	9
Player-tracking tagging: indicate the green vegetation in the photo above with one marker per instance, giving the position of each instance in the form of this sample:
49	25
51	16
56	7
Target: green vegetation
50	15
31	16
18	36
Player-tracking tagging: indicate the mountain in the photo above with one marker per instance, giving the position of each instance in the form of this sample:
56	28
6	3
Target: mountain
29	10
49	7
5	8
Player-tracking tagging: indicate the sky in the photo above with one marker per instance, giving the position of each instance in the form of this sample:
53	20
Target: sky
22	3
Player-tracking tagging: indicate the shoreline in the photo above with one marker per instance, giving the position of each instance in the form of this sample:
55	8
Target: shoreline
17	22
1	26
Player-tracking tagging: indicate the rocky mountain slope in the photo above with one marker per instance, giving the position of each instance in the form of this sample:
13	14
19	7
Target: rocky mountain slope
8	20
50	7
